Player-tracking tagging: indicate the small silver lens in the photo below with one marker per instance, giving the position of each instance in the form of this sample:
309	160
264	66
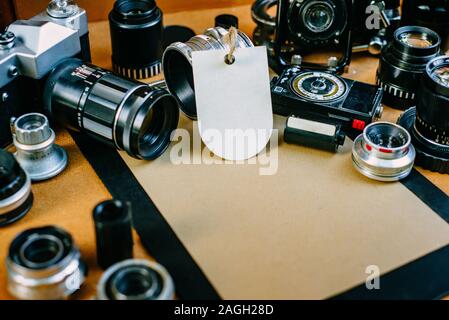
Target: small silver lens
384	152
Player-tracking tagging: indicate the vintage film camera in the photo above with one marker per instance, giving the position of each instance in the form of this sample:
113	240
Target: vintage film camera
308	27
29	50
328	106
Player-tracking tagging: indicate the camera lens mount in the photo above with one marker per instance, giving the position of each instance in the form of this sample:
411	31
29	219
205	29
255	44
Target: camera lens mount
177	64
44	264
136	280
384	152
129	115
403	62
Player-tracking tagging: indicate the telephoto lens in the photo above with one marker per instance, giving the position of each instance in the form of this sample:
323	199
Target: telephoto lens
36	152
44	264
403	62
136	280
428	123
177	64
136	37
113	232
16	197
384	152
129	115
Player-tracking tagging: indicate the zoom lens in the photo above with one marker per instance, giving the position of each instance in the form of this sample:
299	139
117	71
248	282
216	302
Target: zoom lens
44	264
383	152
428	124
129	115
135	280
403	62
177	64
16	198
318	16
136	37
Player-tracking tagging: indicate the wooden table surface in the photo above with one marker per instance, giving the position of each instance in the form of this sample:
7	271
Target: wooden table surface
68	200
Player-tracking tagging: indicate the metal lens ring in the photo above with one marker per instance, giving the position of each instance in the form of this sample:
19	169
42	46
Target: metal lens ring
319	86
261	16
318	16
384	152
44	264
135	280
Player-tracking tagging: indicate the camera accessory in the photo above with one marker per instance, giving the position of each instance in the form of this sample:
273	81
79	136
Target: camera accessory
36	152
177	64
402	63
16	198
44	264
428	124
324	97
136	280
176	33
307	26
384	152
29	50
433	14
314	134
67	14
129	115
226	21
113	232
367	37
136	36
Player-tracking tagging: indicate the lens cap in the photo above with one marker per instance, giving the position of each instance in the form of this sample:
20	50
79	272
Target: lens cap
176	34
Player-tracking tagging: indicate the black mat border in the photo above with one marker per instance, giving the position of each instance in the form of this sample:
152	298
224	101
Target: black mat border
424	278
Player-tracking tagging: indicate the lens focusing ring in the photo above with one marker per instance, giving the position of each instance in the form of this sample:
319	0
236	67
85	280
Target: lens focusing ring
44	264
177	64
384	152
135	280
16	198
401	65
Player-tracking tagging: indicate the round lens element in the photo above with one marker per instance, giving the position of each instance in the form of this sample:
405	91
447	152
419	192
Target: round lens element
318	17
416	40
319	86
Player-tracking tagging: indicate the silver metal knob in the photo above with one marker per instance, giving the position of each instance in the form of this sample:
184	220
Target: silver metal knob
36	151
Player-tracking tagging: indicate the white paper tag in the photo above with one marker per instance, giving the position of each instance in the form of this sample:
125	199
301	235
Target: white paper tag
235	117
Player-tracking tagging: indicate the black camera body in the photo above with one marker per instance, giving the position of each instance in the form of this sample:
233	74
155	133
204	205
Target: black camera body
306	27
327	98
29	50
